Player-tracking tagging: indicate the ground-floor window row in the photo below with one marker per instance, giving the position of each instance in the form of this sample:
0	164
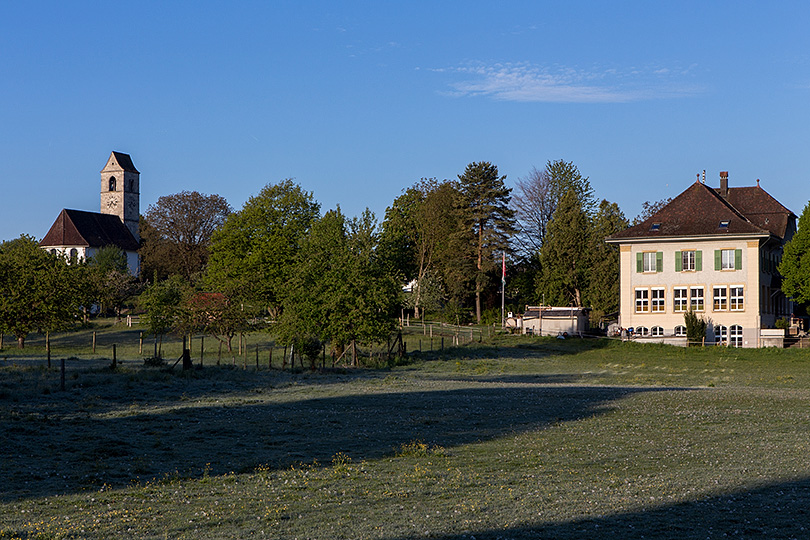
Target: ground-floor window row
684	298
723	335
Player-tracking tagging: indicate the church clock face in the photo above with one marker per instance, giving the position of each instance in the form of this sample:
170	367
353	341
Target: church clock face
112	203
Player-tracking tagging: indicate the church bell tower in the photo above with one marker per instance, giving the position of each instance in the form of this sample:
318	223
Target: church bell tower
120	190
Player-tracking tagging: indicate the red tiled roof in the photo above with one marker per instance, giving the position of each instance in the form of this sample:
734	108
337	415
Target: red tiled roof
89	229
699	211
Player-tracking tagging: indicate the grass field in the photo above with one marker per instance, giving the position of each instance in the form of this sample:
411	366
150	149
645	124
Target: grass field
511	438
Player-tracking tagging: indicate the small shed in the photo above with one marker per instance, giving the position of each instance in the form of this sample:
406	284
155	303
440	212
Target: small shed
554	321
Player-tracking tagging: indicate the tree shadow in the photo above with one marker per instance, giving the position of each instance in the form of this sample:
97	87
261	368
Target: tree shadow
92	446
780	510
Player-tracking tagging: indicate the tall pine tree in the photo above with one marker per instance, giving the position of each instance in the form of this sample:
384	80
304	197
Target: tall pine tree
485	203
795	265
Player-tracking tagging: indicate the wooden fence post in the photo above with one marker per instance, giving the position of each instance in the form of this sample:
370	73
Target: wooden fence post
270	359
115	358
48	347
140	343
257	357
94	342
62	377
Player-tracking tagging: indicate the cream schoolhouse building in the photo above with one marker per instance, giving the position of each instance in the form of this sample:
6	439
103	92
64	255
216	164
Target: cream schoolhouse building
714	251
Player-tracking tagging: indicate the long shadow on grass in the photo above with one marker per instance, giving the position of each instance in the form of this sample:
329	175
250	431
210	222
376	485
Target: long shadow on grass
778	511
44	456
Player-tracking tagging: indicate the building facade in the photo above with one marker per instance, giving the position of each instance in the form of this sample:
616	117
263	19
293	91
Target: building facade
712	251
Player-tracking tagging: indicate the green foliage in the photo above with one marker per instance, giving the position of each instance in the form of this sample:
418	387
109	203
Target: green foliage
162	304
695	328
252	254
795	265
565	255
339	290
603	286
40	291
782	323
111	283
484	202
564	176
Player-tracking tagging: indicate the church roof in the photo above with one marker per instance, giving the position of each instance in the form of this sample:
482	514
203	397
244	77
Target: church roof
89	229
124	161
703	211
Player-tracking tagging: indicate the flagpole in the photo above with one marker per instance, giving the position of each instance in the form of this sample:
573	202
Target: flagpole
503	290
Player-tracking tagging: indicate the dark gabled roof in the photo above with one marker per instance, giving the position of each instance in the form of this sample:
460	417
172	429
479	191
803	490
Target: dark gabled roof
761	209
699	211
124	161
89	229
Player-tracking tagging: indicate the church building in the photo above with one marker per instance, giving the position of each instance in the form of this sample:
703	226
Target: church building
79	234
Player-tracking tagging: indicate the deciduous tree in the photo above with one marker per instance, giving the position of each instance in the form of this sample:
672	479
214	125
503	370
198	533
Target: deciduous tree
178	233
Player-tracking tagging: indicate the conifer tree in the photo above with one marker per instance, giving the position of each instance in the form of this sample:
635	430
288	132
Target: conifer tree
603	288
795	265
565	255
485	203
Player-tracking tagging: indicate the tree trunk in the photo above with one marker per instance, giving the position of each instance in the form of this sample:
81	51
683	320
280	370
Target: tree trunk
21	341
478	274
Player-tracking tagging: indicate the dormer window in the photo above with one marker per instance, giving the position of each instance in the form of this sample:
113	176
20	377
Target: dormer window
655	226
112	184
723	225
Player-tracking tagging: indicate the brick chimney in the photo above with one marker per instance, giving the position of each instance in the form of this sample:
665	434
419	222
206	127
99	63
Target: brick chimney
724	184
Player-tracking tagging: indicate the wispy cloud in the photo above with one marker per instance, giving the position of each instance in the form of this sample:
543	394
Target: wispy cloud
529	83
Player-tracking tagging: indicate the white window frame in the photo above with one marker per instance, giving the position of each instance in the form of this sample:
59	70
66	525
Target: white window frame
642	298
656	331
736	297
680	331
727	259
688	263
642	331
694	299
649	261
680	302
735	336
658	303
719	298
721	335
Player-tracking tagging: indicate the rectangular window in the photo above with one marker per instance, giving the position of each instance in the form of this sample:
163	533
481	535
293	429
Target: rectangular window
649	262
720	299
696	298
658	300
680	299
688	261
726	259
737	298
642	301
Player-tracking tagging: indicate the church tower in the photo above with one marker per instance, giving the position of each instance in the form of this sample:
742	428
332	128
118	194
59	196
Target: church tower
120	191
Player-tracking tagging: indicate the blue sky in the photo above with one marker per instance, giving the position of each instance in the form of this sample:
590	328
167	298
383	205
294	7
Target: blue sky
358	100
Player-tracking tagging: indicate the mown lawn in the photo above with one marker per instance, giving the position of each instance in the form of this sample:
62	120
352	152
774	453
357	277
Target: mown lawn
512	438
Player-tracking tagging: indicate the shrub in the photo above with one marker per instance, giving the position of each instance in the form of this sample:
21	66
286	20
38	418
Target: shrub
695	328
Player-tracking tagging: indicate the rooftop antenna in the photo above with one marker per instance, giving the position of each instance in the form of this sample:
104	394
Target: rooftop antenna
757	182
704	176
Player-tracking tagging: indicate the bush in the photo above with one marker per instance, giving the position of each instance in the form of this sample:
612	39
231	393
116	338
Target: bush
695	328
782	323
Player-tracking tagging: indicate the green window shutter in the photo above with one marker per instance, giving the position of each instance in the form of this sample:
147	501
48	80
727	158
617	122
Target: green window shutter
659	261
738	259
639	263
678	262
698	260
717	259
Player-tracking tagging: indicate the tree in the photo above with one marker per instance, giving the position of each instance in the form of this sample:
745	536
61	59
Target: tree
564	256
112	283
162	303
603	286
536	198
41	291
648	209
795	265
178	232
484	201
339	291
252	254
